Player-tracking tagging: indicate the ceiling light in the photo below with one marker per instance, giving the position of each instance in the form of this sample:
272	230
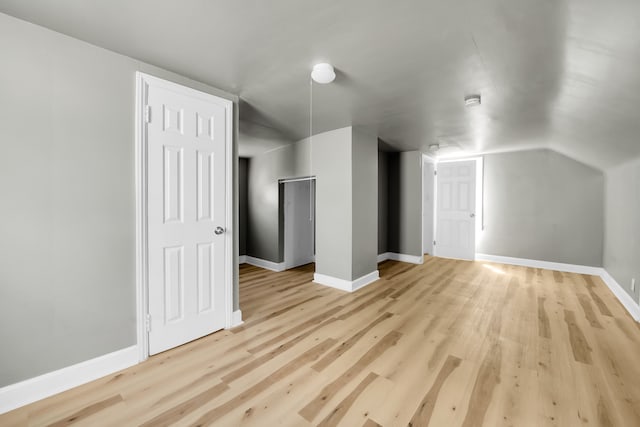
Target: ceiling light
472	100
323	73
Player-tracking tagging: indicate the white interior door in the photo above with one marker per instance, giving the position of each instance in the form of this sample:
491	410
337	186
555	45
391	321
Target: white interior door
299	223
427	207
186	141
456	222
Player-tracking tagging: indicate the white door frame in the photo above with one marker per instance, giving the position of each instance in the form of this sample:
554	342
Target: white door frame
142	280
434	162
312	180
479	198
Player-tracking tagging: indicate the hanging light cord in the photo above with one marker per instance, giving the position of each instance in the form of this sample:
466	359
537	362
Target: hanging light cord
310	149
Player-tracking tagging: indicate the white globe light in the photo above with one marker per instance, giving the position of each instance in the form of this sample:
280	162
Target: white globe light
323	73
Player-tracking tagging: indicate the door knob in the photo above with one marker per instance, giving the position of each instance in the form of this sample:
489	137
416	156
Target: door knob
219	230
472	215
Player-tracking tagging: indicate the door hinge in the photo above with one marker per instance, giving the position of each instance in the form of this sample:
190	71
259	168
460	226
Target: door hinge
435	172
434	243
147	322
147	114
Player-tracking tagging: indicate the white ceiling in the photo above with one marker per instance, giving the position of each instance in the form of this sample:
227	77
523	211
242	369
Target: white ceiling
552	73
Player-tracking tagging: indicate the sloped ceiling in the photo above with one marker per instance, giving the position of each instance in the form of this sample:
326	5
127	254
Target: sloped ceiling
558	74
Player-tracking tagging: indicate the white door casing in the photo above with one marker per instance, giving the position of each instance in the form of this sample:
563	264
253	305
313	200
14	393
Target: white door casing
299	222
428	182
456	204
186	138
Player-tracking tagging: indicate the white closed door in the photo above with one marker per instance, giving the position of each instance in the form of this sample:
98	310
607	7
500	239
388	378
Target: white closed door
186	215
456	202
299	227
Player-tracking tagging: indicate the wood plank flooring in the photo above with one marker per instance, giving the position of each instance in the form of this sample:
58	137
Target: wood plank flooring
446	343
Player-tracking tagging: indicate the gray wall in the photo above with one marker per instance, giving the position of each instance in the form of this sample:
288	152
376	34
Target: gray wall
383	201
332	165
364	165
405	203
344	160
255	139
67	226
265	237
622	225
243	165
542	205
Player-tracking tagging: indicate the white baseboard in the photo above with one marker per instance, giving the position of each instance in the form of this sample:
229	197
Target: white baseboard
346	285
383	257
413	259
547	265
236	318
28	391
365	280
242	259
625	299
263	263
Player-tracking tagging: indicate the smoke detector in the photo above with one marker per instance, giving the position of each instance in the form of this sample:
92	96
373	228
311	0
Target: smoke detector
446	146
472	100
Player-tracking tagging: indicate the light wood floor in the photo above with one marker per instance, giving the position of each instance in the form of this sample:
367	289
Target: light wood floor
446	343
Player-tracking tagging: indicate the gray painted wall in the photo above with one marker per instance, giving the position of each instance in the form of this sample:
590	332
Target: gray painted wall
255	139
265	237
622	225
542	205
383	201
405	203
332	166
243	165
343	160
67	226
364	165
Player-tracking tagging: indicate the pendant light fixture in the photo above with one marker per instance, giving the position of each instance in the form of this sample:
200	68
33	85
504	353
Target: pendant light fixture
323	73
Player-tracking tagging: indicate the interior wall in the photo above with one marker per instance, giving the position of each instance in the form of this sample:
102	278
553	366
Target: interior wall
542	205
67	226
332	166
265	239
256	139
405	203
383	201
243	166
343	159
364	176
622	225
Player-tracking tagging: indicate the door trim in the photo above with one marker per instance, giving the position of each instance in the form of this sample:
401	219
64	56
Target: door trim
142	262
434	162
282	182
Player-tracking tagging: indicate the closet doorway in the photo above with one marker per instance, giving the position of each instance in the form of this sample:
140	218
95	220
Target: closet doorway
299	221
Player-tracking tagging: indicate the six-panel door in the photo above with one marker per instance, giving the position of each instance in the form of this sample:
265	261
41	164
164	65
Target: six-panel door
456	204
186	202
